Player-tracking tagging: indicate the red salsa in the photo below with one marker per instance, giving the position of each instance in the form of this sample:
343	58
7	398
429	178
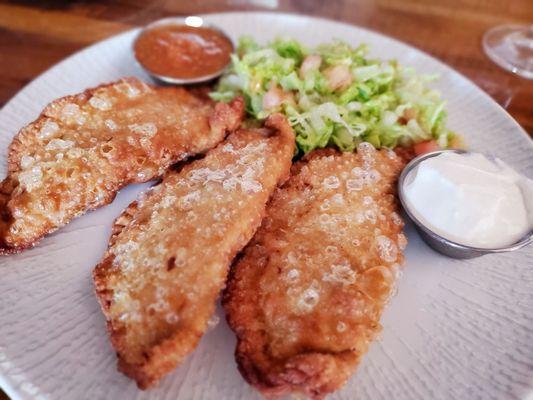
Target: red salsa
181	51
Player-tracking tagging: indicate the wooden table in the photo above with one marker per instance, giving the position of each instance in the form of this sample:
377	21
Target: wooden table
36	35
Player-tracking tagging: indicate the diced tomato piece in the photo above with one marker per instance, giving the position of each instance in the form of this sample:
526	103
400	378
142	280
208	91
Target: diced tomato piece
338	77
275	96
310	63
426	147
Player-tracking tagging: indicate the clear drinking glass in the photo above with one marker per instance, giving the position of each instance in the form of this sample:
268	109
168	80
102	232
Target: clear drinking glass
511	47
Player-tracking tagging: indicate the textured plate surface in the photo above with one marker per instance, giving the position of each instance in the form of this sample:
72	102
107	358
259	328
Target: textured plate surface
456	329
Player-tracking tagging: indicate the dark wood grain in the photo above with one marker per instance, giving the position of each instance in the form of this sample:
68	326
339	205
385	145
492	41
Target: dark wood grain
35	35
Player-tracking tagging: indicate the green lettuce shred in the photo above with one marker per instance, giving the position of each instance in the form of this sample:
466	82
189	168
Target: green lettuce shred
385	104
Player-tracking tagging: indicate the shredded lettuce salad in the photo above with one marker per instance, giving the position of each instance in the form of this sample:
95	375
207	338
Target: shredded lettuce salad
335	95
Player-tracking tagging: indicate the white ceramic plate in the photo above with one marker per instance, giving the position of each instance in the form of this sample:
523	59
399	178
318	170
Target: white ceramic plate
456	329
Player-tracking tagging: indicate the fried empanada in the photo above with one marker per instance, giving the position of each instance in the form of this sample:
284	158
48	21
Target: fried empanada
306	297
171	250
84	148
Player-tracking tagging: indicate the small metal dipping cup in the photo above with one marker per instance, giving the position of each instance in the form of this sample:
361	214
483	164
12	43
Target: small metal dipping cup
438	242
191	21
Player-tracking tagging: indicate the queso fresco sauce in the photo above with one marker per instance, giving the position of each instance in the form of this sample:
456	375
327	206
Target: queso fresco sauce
181	51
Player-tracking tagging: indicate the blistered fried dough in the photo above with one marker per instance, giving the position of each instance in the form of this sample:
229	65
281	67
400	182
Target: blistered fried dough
306	297
82	149
170	252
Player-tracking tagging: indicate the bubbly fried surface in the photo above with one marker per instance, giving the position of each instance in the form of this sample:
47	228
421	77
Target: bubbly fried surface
84	148
170	252
306	297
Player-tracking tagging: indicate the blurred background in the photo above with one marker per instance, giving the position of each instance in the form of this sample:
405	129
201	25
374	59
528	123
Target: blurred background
34	35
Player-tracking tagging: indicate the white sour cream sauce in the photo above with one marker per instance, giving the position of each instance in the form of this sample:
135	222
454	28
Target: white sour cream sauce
471	199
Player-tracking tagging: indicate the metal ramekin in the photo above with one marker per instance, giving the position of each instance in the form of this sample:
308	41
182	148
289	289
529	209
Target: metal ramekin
192	21
436	241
